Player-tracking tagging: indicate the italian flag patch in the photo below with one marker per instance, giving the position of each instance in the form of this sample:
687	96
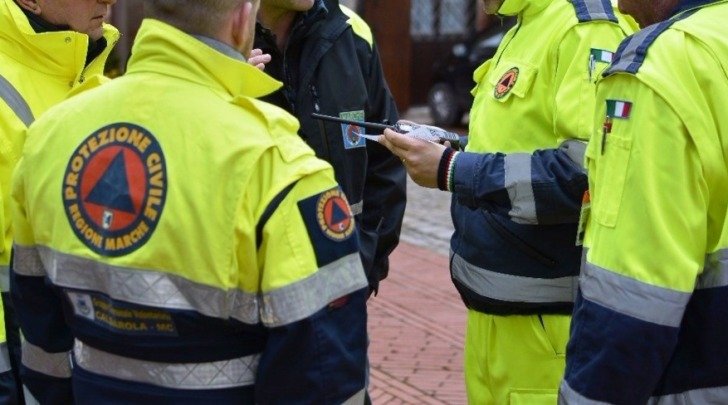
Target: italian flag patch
618	109
601	55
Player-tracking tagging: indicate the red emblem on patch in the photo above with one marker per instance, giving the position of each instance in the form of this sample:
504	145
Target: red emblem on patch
334	215
114	189
506	83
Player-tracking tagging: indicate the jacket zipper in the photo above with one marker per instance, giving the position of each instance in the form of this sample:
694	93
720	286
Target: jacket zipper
518	27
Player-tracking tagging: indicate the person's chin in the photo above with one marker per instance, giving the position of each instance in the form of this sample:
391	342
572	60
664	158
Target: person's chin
96	33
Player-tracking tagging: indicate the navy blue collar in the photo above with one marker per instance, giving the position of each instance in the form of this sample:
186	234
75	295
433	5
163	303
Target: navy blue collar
688	4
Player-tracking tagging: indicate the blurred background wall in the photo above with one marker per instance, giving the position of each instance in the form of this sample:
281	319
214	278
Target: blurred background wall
411	34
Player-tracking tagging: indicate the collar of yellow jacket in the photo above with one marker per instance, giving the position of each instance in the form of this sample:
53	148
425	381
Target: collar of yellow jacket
58	53
522	7
159	47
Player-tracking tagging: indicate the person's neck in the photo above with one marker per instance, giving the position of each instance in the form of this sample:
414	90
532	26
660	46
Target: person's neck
39	24
279	21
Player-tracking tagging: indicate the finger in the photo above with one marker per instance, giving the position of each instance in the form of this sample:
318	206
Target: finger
256	52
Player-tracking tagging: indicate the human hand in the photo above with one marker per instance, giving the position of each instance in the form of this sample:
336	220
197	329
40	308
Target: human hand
420	158
258	59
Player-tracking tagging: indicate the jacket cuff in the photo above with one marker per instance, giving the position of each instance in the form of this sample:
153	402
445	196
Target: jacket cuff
446	170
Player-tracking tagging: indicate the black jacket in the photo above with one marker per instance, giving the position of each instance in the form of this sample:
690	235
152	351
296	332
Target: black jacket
329	67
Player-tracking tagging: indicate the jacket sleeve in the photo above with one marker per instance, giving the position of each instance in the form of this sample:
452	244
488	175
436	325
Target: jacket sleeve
46	367
546	187
313	291
385	187
647	247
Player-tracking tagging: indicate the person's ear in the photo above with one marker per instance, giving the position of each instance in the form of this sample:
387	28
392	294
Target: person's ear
30	5
242	20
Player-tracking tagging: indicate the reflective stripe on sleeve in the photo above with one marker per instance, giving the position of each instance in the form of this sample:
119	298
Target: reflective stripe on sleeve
53	364
357	208
27	261
715	273
4	358
568	396
631	297
517	181
231	373
4	278
357	398
15	101
506	287
299	300
712	395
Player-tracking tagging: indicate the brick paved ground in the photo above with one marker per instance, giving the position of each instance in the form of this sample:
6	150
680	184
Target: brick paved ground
417	322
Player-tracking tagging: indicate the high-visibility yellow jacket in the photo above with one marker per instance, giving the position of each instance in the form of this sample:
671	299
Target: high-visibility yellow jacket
197	247
651	320
516	199
39	70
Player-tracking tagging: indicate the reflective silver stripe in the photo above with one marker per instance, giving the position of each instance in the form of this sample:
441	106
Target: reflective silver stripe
568	396
596	10
357	208
145	287
517	167
15	101
631	297
357	398
575	150
715	273
506	287
304	298
52	364
713	395
630	54
4	358
158	289
232	373
4	278
27	261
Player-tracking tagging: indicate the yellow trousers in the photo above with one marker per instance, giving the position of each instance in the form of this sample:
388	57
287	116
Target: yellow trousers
515	359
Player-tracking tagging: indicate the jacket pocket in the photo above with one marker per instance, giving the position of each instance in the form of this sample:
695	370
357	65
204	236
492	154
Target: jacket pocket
517	242
610	176
512	79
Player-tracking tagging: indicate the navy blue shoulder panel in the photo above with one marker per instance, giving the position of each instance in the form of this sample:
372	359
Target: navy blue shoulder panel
594	10
632	51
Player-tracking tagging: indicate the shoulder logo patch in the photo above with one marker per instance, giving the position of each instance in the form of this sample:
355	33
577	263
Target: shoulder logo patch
334	215
351	132
506	83
114	189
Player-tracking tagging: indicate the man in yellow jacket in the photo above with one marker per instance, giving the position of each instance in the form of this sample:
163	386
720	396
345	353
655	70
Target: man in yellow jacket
179	239
517	190
651	318
45	51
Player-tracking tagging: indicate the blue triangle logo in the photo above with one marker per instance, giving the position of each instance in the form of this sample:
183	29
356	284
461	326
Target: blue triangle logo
338	215
112	189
